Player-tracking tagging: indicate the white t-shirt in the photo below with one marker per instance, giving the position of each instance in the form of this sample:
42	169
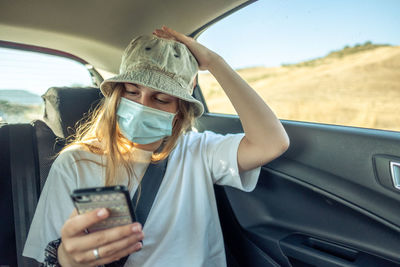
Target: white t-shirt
182	228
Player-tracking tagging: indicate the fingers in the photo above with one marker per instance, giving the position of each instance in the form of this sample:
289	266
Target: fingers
77	224
112	244
177	35
104	256
116	256
163	34
124	240
171	34
115	250
115	247
107	236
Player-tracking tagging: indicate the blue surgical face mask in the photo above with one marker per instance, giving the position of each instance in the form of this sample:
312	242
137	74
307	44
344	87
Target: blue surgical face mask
141	124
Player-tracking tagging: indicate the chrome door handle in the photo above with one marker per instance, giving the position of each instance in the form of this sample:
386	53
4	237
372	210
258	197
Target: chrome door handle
395	172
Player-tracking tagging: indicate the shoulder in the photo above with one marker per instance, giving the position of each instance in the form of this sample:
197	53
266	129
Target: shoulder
207	136
75	165
194	138
207	139
75	153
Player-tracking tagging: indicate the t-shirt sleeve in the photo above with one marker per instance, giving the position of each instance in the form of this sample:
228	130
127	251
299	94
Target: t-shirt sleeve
222	158
53	209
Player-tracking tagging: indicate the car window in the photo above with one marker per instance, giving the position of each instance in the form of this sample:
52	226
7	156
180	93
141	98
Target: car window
335	62
26	75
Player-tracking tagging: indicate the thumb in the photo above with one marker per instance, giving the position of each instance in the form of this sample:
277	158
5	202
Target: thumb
76	225
73	214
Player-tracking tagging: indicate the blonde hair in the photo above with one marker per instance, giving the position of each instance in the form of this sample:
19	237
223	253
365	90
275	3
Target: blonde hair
102	126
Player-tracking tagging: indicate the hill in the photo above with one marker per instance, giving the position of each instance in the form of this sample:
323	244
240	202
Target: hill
357	86
22	97
346	51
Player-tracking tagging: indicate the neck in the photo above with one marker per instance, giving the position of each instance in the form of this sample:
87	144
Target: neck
149	147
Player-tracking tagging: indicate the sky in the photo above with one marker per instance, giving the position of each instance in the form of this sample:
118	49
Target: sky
270	33
266	33
37	72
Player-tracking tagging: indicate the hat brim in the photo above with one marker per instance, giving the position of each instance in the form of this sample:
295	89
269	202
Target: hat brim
155	80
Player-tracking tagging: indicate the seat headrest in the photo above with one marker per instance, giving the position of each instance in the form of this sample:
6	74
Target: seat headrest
65	106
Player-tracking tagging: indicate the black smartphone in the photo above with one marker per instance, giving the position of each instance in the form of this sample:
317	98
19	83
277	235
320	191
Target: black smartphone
114	198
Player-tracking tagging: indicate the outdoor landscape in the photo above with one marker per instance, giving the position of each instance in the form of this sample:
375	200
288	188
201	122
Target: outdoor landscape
355	86
17	106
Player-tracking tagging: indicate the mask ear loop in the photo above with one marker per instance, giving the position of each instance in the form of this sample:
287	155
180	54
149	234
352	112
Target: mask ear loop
177	114
195	81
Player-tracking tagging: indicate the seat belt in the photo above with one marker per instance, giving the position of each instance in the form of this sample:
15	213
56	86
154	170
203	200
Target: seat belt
150	184
25	184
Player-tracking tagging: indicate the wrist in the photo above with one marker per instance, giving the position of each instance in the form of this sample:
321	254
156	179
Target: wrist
215	61
61	256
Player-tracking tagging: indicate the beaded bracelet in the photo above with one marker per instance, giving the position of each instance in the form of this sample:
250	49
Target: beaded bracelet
50	254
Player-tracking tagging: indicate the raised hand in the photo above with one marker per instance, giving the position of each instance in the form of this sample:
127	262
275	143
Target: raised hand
265	138
204	56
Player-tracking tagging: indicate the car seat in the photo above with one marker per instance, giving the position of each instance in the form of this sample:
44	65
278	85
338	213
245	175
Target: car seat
26	154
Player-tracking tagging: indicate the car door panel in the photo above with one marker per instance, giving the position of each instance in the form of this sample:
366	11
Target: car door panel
328	201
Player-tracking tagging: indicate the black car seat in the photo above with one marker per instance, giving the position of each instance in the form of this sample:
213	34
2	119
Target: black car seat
26	154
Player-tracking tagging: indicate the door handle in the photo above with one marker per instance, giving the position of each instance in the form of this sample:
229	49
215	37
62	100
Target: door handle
395	173
387	171
302	250
315	252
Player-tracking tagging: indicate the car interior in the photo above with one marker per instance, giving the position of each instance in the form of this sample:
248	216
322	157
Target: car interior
327	201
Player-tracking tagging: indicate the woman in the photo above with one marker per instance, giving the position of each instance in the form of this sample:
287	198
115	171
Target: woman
155	83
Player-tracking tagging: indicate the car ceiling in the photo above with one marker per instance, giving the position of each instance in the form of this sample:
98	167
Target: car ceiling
98	31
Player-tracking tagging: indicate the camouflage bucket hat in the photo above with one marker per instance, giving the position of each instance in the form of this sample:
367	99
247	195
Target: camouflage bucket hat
163	65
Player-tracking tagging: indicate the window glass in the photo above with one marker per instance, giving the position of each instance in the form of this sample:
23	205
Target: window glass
26	75
335	62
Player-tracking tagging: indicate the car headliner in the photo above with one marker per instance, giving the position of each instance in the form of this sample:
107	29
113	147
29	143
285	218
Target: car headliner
98	31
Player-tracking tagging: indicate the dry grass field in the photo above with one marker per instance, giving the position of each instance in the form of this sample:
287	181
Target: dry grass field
357	86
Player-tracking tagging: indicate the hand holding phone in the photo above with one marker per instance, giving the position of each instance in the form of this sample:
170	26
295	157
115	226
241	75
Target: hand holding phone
77	248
